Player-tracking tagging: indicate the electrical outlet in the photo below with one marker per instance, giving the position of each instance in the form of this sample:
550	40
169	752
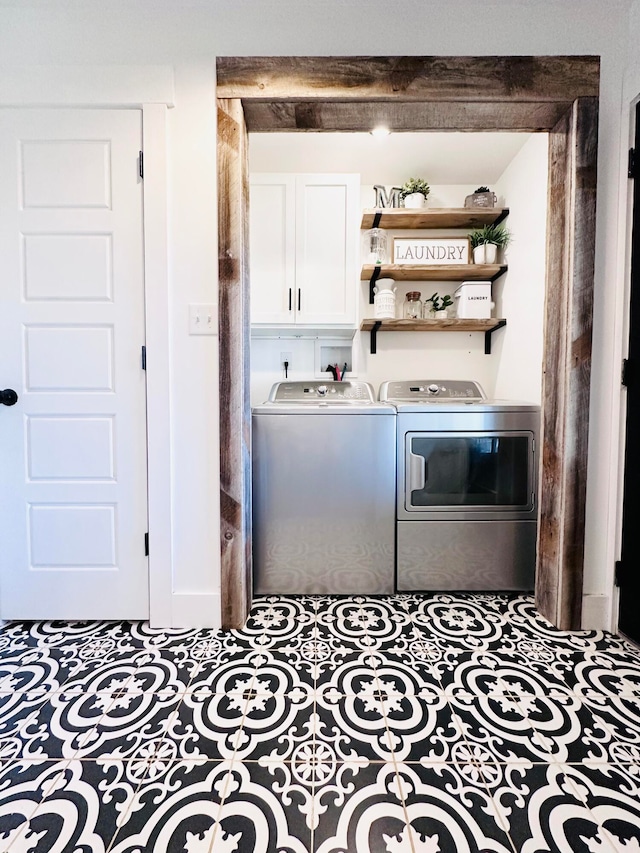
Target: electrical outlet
285	368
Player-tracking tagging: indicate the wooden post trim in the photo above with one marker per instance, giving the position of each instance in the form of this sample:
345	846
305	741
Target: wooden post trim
567	363
235	413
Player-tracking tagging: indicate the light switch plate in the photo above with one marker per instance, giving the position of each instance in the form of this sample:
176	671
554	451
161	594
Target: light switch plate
203	320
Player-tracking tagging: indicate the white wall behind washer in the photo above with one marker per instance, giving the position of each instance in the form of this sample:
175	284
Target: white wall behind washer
38	36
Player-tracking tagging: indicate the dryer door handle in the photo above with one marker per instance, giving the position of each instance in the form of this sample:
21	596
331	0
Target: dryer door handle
417	472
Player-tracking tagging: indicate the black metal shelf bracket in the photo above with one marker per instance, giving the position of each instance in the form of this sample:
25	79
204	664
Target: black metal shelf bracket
487	335
374	277
374	337
500	272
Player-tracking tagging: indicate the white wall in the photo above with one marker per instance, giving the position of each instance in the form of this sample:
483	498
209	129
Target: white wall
193	269
188	36
266	367
519	296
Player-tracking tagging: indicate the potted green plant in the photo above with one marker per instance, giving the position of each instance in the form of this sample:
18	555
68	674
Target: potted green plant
414	192
482	197
486	241
437	305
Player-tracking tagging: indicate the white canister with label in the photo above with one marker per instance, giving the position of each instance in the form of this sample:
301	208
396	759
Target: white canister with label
474	300
384	301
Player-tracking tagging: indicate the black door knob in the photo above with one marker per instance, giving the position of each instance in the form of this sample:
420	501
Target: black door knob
8	397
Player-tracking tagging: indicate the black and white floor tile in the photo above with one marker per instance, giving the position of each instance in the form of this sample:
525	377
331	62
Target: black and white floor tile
396	724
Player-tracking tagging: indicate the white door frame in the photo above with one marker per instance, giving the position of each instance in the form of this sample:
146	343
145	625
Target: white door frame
156	305
619	413
151	90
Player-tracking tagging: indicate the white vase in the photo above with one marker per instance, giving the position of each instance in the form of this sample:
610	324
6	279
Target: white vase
384	301
414	200
440	315
485	253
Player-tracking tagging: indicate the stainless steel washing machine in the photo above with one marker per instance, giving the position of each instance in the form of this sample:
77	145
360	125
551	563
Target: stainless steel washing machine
466	497
324	469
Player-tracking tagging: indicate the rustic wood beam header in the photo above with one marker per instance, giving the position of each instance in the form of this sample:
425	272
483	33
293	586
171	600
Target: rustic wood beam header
354	116
408	78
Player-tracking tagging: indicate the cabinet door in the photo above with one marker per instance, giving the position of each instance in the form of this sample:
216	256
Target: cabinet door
327	240
272	248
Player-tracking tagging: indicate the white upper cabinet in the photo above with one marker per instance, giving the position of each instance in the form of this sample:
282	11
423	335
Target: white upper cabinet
304	244
272	232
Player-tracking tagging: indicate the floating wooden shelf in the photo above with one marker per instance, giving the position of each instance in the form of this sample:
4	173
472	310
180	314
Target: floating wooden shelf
435	272
450	324
434	217
453	324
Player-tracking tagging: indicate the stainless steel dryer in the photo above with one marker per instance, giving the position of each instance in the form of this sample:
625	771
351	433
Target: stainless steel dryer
323	490
466	496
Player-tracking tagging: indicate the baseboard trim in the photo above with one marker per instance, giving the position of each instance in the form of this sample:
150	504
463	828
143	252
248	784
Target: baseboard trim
596	613
195	610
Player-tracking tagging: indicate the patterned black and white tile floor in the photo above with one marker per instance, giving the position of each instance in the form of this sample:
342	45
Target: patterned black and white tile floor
405	724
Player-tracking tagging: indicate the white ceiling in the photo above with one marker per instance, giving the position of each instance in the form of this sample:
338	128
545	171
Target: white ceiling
440	158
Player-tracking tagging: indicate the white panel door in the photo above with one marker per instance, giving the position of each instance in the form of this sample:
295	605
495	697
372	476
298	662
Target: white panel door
73	507
327	240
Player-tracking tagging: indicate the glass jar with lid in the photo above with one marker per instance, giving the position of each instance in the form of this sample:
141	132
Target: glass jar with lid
376	246
412	308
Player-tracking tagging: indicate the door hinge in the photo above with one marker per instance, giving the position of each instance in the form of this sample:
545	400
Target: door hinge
146	544
624	376
143	358
141	164
632	163
620	573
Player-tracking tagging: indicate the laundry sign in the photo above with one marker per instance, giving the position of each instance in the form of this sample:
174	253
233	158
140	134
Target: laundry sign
430	250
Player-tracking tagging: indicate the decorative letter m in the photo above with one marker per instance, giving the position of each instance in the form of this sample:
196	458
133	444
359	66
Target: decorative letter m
382	200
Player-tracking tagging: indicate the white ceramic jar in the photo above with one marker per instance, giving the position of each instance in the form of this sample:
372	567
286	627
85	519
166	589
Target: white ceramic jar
384	300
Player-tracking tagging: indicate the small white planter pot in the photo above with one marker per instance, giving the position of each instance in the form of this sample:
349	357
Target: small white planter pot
414	200
440	315
485	253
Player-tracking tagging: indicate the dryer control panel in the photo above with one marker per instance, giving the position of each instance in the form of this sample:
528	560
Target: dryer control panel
428	390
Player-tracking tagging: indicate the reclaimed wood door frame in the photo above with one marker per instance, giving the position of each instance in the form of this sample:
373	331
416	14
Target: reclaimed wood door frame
233	314
554	94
